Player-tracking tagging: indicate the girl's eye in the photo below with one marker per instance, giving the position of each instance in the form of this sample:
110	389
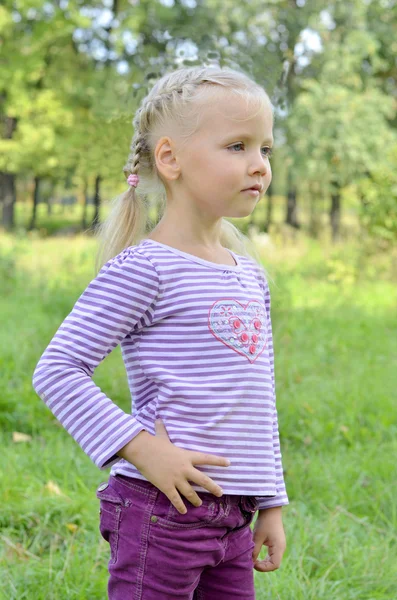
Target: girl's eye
235	145
267	151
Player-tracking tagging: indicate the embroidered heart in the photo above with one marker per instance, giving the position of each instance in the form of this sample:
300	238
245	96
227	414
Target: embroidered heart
242	328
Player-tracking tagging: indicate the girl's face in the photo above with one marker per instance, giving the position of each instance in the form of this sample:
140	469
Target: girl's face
228	154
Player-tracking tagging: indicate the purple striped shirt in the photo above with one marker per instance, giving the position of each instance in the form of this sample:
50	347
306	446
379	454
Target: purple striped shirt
196	340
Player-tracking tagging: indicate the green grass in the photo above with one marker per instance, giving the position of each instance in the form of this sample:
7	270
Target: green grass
334	320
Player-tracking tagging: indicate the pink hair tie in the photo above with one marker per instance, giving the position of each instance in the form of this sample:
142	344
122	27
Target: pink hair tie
133	180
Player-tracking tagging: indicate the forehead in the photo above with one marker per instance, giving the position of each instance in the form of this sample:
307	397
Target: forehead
228	113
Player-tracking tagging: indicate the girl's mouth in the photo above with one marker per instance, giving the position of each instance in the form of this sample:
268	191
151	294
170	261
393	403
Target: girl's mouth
252	191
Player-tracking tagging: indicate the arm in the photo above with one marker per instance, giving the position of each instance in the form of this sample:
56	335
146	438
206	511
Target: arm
119	300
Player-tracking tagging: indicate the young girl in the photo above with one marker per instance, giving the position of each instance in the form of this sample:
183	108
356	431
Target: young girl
200	453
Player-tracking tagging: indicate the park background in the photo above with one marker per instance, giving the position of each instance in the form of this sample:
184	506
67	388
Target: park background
72	76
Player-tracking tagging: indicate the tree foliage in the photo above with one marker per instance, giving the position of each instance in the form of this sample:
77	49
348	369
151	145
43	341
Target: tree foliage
73	74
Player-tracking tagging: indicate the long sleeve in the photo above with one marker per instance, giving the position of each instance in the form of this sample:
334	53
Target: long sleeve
281	497
118	301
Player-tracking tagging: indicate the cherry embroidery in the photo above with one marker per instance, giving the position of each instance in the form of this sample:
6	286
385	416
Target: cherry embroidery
240	327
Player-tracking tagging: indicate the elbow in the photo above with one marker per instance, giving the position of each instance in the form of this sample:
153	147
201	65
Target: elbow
36	378
39	378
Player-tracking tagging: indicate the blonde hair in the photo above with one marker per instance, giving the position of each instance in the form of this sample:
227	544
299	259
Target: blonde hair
178	98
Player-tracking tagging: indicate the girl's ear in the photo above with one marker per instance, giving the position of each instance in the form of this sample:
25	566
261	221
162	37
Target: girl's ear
166	159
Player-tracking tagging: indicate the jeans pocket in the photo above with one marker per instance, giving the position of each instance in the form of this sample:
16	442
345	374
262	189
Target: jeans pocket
110	507
249	517
194	518
248	508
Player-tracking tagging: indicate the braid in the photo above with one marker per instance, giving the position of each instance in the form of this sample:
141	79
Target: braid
137	155
132	165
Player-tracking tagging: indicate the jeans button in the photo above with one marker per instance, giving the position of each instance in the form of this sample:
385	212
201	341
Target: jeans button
153	519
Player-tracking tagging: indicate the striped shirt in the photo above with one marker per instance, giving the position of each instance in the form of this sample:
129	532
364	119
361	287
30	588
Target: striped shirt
196	341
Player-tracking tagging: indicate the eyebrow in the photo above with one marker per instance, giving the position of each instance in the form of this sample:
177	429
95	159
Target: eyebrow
244	136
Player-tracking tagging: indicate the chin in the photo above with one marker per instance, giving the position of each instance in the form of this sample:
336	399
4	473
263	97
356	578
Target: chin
241	212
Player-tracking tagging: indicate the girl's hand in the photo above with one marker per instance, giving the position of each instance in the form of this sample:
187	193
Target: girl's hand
170	468
269	531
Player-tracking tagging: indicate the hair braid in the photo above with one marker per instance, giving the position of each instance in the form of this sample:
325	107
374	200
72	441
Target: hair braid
132	165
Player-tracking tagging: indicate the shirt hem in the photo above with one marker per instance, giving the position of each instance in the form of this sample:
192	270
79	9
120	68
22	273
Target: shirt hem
266	494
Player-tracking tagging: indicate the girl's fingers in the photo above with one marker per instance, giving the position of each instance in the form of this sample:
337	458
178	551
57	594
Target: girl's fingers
205	482
176	501
201	458
188	492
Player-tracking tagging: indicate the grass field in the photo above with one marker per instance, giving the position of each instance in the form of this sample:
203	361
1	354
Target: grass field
335	324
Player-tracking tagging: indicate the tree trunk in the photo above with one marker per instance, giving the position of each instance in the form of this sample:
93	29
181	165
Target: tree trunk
335	214
84	218
290	217
8	199
291	212
35	202
269	208
7	180
97	203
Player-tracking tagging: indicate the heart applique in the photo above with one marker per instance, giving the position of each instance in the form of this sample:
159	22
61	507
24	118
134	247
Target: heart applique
242	328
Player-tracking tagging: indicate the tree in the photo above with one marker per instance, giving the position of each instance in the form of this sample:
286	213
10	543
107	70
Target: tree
345	119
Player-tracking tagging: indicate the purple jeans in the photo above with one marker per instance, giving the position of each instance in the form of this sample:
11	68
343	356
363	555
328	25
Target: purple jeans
156	553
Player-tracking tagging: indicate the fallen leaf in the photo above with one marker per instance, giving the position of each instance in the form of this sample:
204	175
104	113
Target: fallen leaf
20	437
53	488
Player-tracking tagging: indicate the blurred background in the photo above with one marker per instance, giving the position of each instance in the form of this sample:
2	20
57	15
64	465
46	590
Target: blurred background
72	75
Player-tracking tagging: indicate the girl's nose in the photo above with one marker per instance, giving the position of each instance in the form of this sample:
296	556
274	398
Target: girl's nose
261	165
